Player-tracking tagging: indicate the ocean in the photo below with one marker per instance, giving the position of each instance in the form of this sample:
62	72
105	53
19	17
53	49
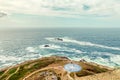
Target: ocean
101	46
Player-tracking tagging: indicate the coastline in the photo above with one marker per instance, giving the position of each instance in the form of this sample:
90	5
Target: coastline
31	68
24	62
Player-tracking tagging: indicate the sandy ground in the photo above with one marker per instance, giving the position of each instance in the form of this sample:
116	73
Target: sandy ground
113	75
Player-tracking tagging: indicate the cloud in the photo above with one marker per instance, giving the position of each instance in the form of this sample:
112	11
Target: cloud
62	7
2	14
86	7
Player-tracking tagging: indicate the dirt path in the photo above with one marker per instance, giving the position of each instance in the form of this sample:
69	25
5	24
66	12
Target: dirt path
36	72
5	72
13	73
39	71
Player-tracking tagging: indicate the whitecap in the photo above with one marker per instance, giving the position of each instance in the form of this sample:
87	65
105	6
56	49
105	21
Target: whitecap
6	64
1	50
60	48
112	60
97	57
115	59
84	43
3	58
102	53
53	39
30	49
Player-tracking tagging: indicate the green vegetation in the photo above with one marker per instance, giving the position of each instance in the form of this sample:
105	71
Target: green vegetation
96	69
90	70
24	70
1	72
12	70
83	73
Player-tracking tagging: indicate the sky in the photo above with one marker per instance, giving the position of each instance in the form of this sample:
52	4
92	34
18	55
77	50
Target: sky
59	13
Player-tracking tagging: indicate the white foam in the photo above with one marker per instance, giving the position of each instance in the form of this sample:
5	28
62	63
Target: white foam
115	59
30	49
3	58
53	39
112	60
71	50
98	60
1	50
75	50
5	65
102	53
60	48
83	43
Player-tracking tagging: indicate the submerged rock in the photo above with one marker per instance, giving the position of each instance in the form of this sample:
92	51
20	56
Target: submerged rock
59	39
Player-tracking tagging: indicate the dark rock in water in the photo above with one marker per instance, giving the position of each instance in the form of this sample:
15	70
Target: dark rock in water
59	39
46	45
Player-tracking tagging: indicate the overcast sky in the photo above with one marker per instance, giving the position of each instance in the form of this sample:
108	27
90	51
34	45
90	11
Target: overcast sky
59	13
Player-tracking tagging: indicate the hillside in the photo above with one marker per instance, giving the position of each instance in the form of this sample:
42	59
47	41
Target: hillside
52	68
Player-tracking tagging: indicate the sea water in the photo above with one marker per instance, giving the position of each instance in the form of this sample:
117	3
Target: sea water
94	45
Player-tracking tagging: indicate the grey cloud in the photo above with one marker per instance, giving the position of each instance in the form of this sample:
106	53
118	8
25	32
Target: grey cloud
2	14
55	8
86	7
61	9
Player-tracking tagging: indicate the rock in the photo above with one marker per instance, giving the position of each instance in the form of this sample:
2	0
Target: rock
83	60
59	39
46	45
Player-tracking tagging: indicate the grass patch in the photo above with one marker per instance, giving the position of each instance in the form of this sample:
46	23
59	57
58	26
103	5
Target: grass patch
23	71
1	72
12	70
83	73
90	70
96	69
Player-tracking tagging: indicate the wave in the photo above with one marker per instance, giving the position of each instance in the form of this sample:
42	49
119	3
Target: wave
53	49
84	43
111	60
115	59
3	58
104	58
6	65
61	48
1	50
30	49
